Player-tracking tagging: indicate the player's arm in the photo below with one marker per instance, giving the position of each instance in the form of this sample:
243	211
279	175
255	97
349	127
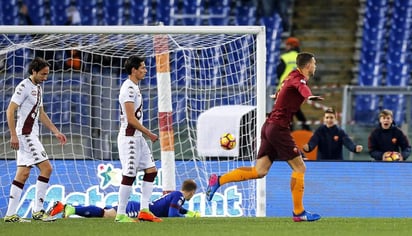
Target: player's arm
44	118
132	120
11	121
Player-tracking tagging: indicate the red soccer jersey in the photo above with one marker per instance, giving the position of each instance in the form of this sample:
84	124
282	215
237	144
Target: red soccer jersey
290	96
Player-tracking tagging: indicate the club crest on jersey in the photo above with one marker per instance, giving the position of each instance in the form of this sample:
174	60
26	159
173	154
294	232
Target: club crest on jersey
34	93
303	81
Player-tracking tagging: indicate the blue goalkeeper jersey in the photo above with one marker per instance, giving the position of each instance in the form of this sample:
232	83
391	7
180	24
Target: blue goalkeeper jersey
169	205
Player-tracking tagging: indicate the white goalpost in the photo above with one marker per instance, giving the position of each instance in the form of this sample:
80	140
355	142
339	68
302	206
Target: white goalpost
202	81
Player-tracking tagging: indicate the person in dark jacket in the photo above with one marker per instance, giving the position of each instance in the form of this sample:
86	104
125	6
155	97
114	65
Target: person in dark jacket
387	137
330	138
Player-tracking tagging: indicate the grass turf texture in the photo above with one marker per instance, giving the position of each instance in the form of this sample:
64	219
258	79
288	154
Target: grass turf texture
213	226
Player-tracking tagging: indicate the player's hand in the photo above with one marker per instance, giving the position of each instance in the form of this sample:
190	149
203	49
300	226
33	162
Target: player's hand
153	137
315	98
61	137
14	142
194	214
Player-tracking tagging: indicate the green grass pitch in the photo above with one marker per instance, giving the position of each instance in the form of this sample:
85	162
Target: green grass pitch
249	226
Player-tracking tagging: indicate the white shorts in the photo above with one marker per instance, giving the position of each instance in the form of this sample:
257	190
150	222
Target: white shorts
134	154
31	151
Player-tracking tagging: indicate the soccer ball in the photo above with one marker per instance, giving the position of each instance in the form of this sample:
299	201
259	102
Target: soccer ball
227	141
391	156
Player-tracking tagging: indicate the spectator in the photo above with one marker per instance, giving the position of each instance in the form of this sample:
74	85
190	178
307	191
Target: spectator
74	58
387	137
286	65
24	13
73	16
329	138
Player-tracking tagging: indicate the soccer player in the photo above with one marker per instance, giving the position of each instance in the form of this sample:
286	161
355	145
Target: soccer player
387	137
134	153
169	205
277	143
330	139
27	100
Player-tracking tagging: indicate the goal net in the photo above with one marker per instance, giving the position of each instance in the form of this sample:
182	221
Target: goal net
201	82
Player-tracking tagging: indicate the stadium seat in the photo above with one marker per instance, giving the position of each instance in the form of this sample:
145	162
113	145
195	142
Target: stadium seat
37	12
219	12
192	12
397	104
10	12
179	108
88	12
140	12
58	12
164	11
245	14
366	109
80	109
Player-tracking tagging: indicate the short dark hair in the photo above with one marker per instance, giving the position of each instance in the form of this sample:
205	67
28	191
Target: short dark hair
133	62
330	110
37	64
189	185
303	59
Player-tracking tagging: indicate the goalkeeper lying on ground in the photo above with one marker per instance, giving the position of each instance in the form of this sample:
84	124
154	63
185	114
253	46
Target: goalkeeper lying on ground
169	205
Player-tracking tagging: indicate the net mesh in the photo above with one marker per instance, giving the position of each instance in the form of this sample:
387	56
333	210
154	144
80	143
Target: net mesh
81	98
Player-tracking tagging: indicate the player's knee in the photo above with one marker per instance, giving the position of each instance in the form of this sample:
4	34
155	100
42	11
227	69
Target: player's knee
150	177
127	180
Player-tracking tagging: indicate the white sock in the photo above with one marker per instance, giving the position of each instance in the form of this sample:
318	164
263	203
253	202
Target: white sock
124	194
147	190
41	188
14	199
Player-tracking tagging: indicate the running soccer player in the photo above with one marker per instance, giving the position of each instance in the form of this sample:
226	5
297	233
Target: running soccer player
277	143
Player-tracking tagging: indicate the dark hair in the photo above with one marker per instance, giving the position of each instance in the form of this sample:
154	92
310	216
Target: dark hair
37	64
330	110
303	59
133	62
189	185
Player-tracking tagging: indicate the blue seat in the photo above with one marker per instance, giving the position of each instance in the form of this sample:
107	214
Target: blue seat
219	12
140	12
10	13
192	10
113	13
88	12
397	104
80	109
58	11
17	60
366	109
37	12
245	14
179	108
177	68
